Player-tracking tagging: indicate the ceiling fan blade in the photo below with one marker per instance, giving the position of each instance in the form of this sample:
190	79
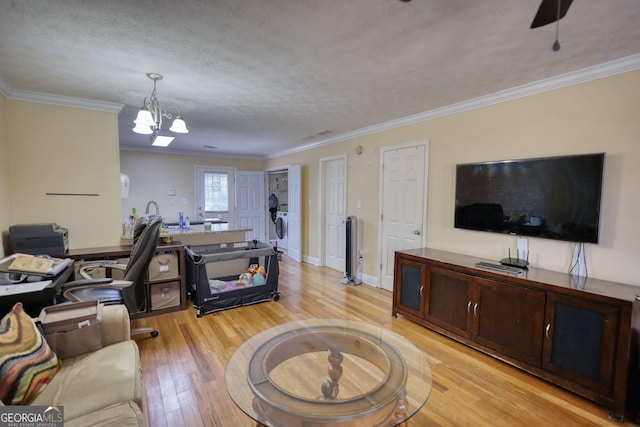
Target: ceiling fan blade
548	12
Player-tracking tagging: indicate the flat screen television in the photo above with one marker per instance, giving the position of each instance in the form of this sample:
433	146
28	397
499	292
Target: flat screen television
553	198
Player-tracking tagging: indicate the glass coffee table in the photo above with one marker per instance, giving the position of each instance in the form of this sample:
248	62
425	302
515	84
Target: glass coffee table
328	372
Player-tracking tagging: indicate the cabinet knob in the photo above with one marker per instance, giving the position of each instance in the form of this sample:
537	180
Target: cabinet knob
469	307
547	331
421	290
475	309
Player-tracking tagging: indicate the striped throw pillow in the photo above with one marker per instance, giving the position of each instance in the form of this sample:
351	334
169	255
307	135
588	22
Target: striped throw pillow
27	363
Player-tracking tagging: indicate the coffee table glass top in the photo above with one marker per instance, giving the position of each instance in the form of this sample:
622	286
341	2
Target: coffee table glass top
328	372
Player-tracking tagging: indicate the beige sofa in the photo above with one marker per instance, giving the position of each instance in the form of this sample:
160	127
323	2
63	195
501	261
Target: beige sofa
104	387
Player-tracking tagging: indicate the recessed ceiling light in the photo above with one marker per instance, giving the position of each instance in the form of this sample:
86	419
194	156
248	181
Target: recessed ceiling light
162	141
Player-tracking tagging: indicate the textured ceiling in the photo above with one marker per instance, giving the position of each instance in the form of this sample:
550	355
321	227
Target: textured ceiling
257	77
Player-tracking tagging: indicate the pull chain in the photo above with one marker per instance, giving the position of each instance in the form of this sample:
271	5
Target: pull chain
556	44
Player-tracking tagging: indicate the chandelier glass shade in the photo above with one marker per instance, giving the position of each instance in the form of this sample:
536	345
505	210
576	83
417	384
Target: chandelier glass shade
149	118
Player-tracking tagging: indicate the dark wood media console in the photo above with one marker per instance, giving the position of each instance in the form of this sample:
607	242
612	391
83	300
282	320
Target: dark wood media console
578	333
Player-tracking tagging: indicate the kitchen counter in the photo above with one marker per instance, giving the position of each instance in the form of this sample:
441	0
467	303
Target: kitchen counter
197	235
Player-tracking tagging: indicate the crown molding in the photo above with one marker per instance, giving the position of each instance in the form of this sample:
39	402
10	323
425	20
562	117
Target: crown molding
65	101
607	69
167	150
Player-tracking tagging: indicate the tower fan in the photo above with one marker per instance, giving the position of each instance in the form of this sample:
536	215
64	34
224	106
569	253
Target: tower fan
352	261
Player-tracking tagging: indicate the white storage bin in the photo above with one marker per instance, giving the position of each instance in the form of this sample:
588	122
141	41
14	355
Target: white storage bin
163	267
165	295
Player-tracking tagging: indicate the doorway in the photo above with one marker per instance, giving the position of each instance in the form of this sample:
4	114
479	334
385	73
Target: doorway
278	206
285	185
215	194
403	204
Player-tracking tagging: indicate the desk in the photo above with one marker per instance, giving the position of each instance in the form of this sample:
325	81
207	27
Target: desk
34	301
328	372
116	252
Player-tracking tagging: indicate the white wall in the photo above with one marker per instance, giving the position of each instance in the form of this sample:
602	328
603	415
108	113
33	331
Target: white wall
54	149
153	174
598	116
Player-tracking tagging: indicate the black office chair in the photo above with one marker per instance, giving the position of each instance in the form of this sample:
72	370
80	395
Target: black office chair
131	290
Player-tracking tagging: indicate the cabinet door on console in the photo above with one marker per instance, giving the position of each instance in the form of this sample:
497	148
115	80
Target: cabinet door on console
509	319
409	286
449	300
580	341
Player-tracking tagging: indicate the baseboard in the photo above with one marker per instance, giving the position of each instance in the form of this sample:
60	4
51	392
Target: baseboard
311	260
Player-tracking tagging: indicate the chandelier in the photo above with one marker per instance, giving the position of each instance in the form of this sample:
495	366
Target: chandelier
149	118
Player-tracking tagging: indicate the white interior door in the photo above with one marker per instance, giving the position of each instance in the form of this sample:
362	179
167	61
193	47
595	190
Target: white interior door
335	199
294	217
403	205
251	210
215	193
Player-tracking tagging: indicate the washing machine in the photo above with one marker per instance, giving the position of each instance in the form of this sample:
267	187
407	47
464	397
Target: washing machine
281	229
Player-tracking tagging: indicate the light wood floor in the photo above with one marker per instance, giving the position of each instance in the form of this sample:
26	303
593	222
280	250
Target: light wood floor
184	368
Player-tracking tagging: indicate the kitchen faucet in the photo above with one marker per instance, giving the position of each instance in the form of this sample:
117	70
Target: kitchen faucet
146	210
